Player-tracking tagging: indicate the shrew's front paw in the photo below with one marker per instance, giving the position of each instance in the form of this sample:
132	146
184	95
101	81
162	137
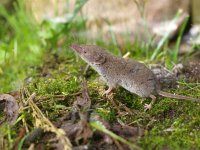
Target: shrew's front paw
147	107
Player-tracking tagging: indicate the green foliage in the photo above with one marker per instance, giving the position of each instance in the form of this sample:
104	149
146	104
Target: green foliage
178	42
165	37
57	28
26	41
21	46
23	40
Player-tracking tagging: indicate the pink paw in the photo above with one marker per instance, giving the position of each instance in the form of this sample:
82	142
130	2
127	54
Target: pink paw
147	107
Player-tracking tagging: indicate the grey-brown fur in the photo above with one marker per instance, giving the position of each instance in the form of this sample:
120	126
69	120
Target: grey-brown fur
131	75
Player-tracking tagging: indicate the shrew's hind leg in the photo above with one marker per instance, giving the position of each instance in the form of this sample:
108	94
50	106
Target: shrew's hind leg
149	106
108	92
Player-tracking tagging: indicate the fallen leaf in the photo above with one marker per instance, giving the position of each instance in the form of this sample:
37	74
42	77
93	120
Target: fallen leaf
11	108
121	131
33	136
127	131
83	103
79	130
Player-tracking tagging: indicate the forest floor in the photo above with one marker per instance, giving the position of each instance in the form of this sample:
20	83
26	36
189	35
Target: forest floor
61	103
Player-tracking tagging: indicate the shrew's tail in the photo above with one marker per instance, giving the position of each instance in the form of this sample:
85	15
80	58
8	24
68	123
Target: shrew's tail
169	95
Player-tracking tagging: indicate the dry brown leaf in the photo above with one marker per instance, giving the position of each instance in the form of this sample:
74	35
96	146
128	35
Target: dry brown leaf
10	108
80	130
83	103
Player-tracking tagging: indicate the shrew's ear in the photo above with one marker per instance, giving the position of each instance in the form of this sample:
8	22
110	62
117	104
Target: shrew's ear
99	59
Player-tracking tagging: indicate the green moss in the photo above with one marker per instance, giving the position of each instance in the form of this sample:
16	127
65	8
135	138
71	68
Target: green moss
108	114
55	86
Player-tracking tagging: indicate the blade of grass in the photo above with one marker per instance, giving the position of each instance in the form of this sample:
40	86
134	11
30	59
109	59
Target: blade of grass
166	36
113	36
78	6
178	42
99	126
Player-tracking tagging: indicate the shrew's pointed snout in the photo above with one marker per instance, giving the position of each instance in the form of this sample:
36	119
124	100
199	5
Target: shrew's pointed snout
76	48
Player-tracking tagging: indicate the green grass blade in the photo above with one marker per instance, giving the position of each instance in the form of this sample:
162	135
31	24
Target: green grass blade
99	126
178	42
165	37
78	6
